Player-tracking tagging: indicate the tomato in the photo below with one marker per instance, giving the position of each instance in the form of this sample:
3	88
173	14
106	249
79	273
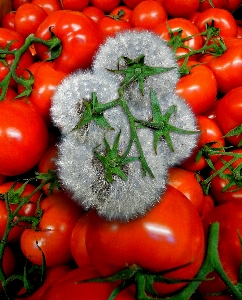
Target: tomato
108	26
67	288
48	5
52	275
46	79
229	217
7	36
78	243
78	5
23	137
127	12
230	5
186	28
5	7
9	263
149	241
79	36
198	88
132	3
105	5
208	205
28	209
18	3
147	14
210	132
178	178
8	20
222	19
60	215
231	106
28	18
234	192
181	8
96	14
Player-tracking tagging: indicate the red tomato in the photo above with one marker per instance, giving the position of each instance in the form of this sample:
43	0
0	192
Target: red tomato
208	205
222	19
187	29
79	36
147	14
132	3
127	12
8	20
28	209
7	36
48	5
18	3
109	26
78	243
230	219
198	88
28	18
230	5
149	241
77	5
231	106
47	163
5	7
52	275
23	137
60	215
210	132
9	263
218	183
181	8
66	287
178	178
105	5
96	14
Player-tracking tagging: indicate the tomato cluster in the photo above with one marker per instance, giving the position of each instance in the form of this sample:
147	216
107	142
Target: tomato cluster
49	244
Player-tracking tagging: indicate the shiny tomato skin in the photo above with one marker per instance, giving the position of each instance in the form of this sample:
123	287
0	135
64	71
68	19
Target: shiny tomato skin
231	5
23	137
79	37
48	5
181	9
96	14
198	88
60	215
218	183
105	5
127	12
222	19
148	14
188	30
231	106
8	20
28	18
210	132
149	241
178	178
68	288
229	216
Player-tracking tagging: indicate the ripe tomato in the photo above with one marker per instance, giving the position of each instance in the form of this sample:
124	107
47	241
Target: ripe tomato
8	20
105	5
208	205
222	19
210	132
78	243
60	215
77	5
48	5
178	178
198	88
181	8
79	37
23	137
28	209
5	7
127	12
28	18
18	3
131	3
147	14
66	287
218	183
8	36
230	5
231	106
52	275
186	29
230	219
149	241
96	14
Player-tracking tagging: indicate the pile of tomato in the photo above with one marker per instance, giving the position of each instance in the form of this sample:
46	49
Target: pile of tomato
189	245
